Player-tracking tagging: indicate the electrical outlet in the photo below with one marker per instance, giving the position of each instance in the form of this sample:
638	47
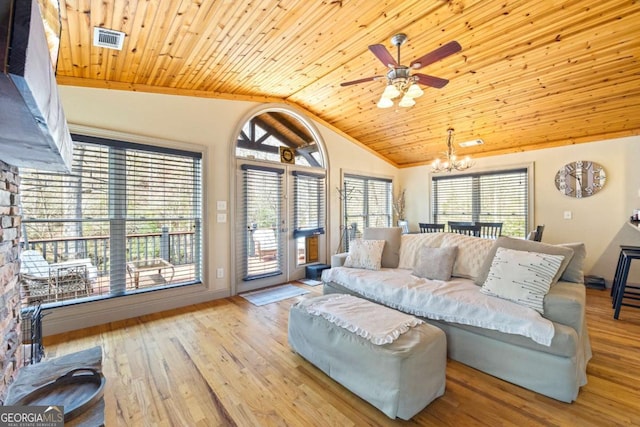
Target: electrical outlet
568	215
220	273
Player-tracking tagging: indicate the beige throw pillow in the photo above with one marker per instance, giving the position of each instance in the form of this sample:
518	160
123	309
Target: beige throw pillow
472	253
522	277
410	245
435	263
575	270
391	251
365	254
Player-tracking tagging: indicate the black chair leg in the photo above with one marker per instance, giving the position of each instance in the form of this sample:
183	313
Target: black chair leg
620	283
616	277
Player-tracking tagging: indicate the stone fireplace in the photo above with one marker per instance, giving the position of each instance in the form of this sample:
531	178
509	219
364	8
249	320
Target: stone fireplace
11	357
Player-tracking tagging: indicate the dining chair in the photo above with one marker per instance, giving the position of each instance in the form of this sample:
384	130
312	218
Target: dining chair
467	229
450	223
430	228
490	230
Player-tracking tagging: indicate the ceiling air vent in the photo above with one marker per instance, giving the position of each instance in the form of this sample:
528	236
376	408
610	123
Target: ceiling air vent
471	143
111	39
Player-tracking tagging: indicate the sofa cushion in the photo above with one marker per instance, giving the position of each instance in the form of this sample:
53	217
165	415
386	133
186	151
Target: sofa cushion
565	340
565	304
365	254
435	263
472	252
575	270
522	277
524	245
410	244
391	251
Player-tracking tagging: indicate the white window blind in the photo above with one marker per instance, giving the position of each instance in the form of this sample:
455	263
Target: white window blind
309	204
260	253
497	196
124	206
367	203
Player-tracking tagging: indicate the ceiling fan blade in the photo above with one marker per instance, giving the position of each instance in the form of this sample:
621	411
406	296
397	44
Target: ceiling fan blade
438	54
355	82
436	82
383	55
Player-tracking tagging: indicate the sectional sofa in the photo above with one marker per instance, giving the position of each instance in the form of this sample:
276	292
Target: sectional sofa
457	283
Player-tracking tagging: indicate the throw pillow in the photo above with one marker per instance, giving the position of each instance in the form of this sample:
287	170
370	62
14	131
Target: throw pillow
472	253
410	245
435	263
391	251
521	277
365	254
525	245
575	269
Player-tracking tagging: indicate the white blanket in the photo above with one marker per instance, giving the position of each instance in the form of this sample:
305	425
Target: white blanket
379	324
457	301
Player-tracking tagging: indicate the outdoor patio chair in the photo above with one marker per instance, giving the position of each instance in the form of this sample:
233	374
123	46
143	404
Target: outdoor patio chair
46	282
266	243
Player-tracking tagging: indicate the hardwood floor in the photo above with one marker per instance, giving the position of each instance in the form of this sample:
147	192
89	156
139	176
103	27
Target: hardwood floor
228	363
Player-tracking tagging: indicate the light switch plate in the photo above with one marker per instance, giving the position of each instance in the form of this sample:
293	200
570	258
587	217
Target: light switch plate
221	205
568	215
222	217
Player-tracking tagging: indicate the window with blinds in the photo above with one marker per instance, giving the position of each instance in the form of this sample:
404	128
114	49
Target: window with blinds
367	202
497	196
309	204
131	212
260	253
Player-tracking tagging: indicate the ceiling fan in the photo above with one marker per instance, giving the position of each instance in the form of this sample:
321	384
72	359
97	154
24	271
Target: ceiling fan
400	81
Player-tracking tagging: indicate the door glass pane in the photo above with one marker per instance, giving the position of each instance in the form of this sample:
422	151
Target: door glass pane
262	251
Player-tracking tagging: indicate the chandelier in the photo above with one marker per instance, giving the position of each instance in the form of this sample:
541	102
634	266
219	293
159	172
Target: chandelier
451	162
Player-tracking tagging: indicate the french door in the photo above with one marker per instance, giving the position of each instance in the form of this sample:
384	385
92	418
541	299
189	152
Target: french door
279	226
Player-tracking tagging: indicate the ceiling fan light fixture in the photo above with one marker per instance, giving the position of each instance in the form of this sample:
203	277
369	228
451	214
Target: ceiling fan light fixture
406	101
400	81
390	92
414	91
385	102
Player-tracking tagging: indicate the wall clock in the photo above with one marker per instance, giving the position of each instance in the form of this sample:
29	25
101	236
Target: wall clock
581	178
287	155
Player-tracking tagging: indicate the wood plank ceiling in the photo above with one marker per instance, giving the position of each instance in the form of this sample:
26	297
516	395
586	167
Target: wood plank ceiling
530	74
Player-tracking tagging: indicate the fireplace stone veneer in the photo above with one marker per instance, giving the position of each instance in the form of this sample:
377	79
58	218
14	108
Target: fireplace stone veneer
11	359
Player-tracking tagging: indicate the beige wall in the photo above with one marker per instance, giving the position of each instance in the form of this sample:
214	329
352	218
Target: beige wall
209	125
598	221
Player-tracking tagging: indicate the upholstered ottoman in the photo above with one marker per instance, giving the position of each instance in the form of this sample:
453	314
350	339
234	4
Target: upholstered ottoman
399	378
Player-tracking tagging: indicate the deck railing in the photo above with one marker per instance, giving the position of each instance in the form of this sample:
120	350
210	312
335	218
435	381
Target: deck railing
176	247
